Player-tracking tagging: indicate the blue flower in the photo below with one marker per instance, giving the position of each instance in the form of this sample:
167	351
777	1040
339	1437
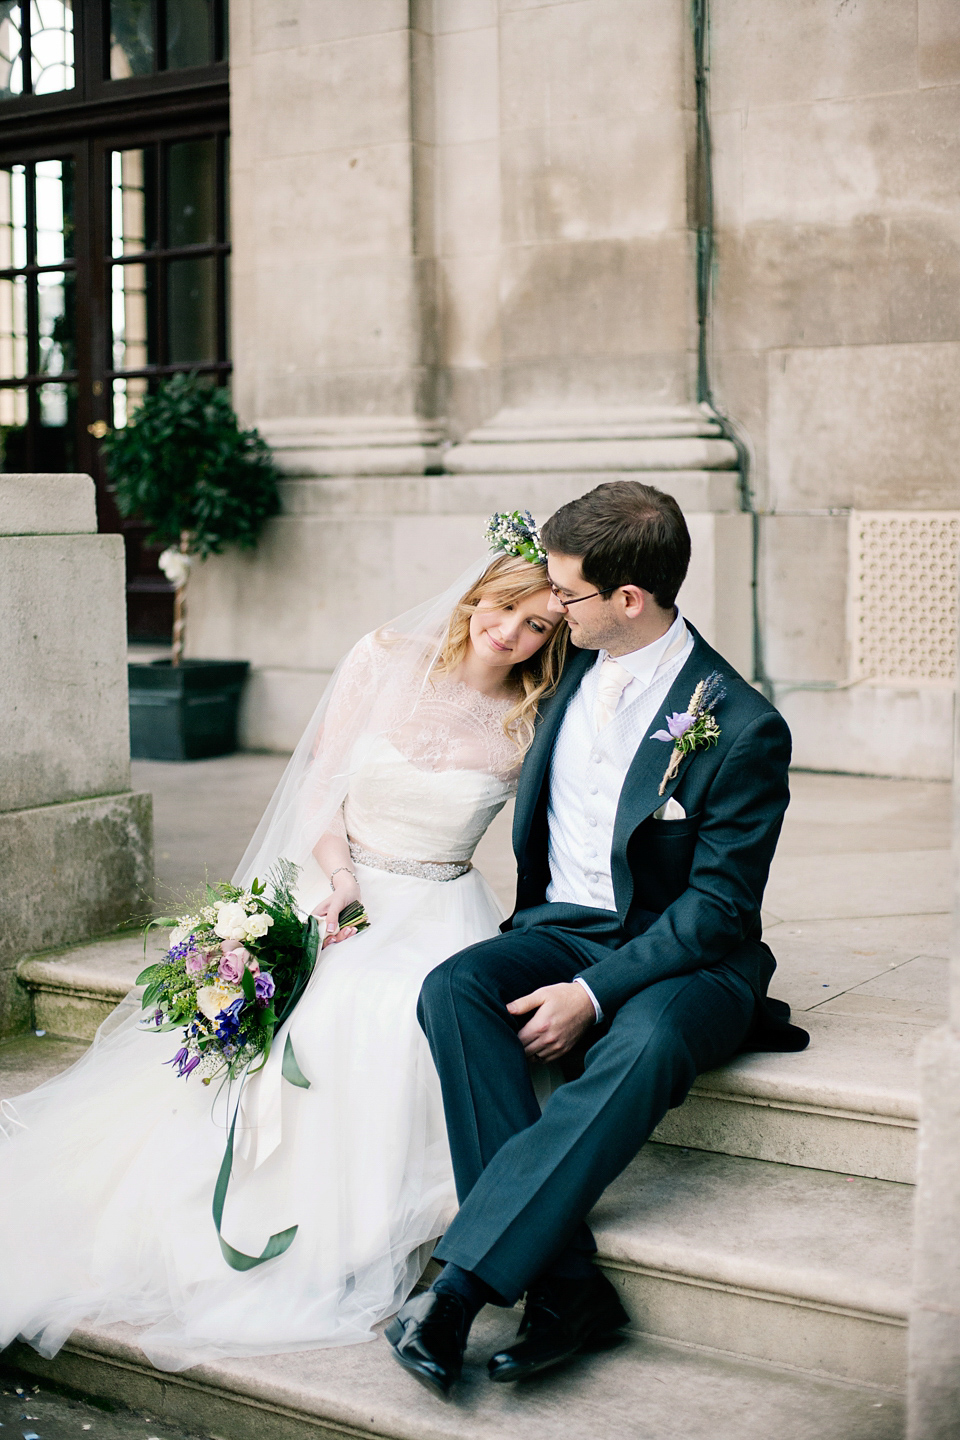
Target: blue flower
228	1021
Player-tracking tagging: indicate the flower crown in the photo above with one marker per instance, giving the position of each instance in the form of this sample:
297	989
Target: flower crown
516	534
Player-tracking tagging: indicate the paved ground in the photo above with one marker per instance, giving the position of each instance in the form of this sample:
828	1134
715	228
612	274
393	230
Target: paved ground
857	910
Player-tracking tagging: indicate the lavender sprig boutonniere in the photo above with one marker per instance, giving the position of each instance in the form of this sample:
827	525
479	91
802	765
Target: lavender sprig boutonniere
694	728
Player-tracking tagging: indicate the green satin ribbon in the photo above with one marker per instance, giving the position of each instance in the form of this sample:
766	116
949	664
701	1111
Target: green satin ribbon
291	1072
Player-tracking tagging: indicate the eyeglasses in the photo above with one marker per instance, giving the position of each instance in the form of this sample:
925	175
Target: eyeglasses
565	604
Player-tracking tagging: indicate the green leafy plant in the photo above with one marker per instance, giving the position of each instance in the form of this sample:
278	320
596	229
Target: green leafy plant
185	468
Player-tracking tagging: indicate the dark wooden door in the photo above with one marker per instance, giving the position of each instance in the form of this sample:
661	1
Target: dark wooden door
114	233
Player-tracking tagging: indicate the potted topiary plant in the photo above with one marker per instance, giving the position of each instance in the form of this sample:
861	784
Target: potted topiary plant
199	483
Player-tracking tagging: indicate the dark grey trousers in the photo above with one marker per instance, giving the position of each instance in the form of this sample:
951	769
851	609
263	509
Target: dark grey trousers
527	1180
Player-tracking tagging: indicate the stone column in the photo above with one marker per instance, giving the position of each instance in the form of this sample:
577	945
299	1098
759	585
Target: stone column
331	299
456	221
590	336
934	1340
76	850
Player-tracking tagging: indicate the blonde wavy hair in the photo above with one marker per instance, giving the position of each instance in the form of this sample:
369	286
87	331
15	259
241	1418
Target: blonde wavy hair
506	581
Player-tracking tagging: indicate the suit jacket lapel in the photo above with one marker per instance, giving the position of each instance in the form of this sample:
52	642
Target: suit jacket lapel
640	795
536	765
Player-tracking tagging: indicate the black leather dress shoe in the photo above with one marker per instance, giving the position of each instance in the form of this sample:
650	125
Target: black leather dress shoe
551	1331
429	1335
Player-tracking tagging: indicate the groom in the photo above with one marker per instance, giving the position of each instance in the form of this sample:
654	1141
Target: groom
636	936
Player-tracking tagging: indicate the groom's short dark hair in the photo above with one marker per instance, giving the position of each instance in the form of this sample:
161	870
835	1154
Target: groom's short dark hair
624	533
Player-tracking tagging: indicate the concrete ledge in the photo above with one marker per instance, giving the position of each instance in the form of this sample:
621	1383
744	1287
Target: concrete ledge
871	730
63	680
47	505
72	870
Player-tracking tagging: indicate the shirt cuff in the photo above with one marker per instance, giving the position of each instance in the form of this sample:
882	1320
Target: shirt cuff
579	980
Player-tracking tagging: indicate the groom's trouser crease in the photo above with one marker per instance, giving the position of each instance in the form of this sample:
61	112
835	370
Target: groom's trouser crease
529	1179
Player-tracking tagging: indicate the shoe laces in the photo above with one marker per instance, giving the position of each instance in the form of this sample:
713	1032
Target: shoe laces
450	1310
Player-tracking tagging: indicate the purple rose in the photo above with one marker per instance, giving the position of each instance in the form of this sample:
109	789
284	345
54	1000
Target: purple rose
232	965
677	724
264	988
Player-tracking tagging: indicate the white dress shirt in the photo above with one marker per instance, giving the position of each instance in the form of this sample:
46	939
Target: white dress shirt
589	766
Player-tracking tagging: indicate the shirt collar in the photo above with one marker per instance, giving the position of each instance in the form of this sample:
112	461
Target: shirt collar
643	664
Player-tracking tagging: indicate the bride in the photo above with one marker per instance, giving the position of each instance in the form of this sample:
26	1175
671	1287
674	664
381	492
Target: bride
108	1171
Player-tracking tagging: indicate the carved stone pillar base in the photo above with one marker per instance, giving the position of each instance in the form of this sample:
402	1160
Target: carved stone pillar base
549	457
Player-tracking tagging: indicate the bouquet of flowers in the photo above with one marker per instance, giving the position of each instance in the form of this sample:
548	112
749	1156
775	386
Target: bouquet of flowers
235	969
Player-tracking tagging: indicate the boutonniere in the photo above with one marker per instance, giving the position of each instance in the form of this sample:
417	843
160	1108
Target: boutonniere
694	728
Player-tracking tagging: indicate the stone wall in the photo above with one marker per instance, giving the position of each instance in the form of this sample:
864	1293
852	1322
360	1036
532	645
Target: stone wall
836	337
75	842
465	242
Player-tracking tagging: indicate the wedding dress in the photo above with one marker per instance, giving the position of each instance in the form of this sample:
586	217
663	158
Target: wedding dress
107	1177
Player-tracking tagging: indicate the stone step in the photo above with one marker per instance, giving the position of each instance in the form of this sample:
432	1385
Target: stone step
642	1390
848	1103
775	1262
73	989
778	1263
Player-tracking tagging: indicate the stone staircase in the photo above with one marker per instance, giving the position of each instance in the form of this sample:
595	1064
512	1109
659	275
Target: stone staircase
761	1244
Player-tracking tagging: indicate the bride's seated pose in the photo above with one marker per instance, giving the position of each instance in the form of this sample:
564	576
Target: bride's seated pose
107	1172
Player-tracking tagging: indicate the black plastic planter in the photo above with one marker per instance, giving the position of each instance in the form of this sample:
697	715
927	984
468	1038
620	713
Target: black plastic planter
184	713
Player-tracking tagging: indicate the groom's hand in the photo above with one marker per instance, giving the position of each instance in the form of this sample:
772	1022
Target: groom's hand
563	1013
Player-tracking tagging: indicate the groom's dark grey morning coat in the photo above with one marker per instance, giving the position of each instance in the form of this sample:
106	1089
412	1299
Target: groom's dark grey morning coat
680	972
688	892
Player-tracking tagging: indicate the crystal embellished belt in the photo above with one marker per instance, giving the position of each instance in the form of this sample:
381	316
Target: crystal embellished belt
420	869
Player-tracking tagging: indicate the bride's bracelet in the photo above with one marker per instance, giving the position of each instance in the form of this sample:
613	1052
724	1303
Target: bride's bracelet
346	868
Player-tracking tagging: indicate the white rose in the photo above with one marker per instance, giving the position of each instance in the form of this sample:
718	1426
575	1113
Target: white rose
257	926
231	920
176	566
211	999
178	934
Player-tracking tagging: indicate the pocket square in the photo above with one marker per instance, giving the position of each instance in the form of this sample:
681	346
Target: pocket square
670	810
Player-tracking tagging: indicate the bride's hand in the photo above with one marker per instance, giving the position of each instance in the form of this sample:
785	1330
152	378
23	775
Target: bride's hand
345	891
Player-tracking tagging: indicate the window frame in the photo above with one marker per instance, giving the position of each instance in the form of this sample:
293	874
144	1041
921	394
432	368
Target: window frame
94	90
86	123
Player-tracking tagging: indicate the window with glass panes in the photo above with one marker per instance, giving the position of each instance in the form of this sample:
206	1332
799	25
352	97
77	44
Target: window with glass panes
38	336
114	243
167	264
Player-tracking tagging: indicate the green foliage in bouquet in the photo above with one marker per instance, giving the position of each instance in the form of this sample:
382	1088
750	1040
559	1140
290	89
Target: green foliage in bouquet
236	968
186	469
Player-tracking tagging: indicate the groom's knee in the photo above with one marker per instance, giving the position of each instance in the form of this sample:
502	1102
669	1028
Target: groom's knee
464	977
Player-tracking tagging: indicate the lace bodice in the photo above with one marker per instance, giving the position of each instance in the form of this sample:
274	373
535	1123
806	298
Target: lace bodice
429	790
399	809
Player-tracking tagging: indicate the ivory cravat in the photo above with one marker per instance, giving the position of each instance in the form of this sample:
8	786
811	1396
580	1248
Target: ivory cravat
613	681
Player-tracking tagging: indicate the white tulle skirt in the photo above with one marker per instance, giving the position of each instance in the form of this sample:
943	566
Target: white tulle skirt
107	1177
